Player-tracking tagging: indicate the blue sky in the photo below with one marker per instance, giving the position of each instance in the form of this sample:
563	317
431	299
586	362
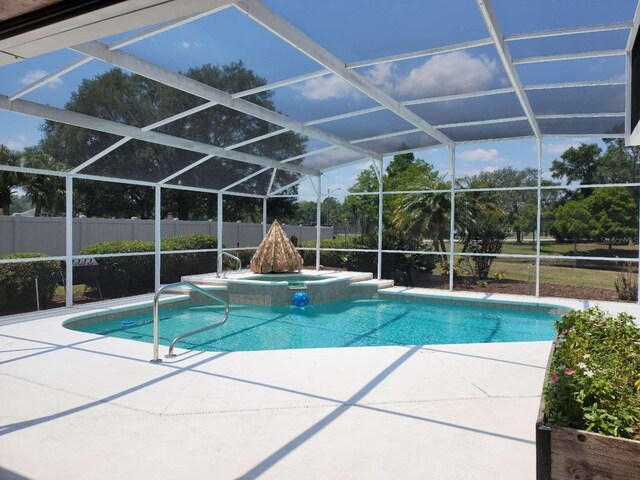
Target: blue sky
359	30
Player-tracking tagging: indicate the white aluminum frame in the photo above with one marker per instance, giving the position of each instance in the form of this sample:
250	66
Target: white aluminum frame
331	65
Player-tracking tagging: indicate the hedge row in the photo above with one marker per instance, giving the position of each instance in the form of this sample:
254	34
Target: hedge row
397	266
134	274
18	283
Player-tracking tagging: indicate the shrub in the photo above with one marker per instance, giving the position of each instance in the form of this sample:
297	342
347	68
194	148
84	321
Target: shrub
17	283
134	274
177	265
397	266
328	259
244	256
123	275
627	284
594	378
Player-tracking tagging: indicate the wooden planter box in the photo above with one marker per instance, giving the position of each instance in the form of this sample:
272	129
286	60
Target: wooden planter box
569	454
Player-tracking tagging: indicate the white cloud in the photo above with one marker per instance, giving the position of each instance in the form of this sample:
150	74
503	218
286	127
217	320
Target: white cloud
382	76
35	75
445	74
558	148
448	74
16	143
479	154
323	88
187	45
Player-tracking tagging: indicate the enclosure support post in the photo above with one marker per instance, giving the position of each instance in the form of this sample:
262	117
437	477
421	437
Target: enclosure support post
68	284
638	283
380	205
452	167
219	220
157	238
318	221
539	214
264	217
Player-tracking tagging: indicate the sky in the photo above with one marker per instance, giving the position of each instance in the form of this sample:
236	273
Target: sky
360	30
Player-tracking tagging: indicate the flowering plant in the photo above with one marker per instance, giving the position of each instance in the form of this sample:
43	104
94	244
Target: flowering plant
594	377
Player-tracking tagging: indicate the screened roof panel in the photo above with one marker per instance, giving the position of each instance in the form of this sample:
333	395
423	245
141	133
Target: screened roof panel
226	38
582	126
601	99
216	173
138	160
460	71
488	107
283	146
489	131
398	143
361	30
369	125
110	93
257	184
72	146
320	97
18	75
551	14
356	31
332	158
585	42
578	70
282	179
218	125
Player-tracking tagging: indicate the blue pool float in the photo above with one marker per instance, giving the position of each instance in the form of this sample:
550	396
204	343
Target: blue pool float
300	299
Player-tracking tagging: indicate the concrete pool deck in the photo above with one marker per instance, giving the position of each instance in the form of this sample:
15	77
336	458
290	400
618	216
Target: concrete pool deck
76	405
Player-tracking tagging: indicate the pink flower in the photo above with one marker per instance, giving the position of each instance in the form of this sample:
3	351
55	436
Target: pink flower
554	377
565	331
569	372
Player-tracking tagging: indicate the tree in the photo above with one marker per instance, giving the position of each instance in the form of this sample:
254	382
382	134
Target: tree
305	213
135	100
620	163
482	228
578	165
45	191
425	215
364	208
510	201
573	220
8	180
614	215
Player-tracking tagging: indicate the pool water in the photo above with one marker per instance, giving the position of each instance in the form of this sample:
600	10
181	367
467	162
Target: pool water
349	323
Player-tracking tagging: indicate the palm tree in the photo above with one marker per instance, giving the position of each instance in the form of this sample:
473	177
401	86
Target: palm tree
425	215
44	191
8	180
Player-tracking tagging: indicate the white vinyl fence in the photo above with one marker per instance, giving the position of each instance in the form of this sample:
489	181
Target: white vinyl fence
47	235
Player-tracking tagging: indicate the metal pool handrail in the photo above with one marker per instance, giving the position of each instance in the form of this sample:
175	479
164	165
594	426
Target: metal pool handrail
221	257
156	321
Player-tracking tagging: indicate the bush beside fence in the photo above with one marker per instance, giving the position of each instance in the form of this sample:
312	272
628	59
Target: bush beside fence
18	283
134	274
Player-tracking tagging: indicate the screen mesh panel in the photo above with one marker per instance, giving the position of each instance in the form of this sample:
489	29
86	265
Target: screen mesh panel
212	48
582	126
488	107
519	128
369	125
601	99
448	73
138	160
424	25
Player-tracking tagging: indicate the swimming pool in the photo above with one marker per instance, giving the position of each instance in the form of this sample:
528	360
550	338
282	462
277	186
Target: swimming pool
348	323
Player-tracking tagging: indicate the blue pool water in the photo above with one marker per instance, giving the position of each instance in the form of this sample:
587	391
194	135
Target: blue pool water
349	323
